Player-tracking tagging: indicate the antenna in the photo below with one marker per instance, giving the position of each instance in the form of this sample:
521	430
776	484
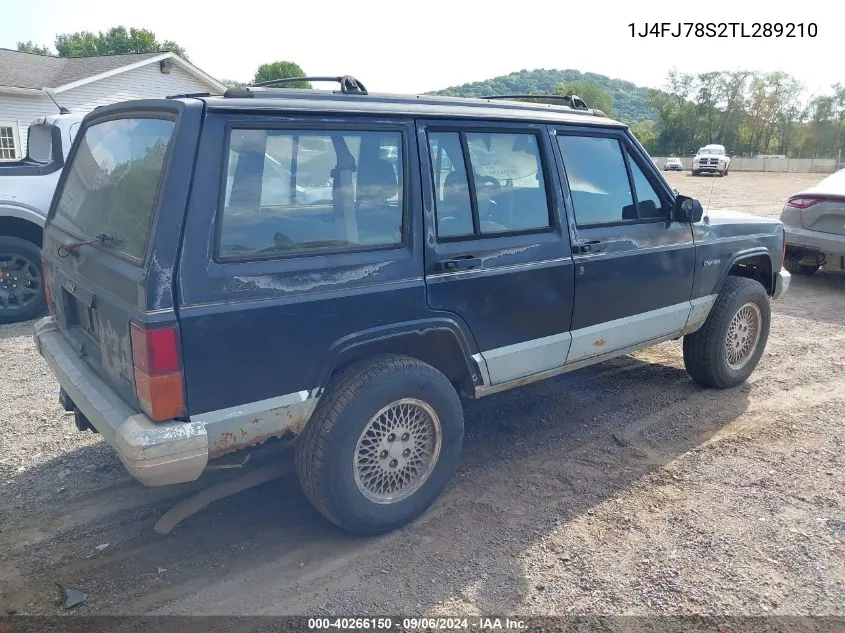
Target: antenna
62	109
713	184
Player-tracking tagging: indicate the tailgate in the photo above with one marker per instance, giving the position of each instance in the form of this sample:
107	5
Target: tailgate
111	240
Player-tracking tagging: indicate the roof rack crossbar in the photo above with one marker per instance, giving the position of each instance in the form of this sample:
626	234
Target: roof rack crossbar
573	101
189	95
348	83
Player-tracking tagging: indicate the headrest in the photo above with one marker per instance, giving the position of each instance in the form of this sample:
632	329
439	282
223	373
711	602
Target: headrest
377	181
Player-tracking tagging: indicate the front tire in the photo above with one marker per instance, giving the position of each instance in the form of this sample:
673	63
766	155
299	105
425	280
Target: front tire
727	348
382	445
695	172
21	284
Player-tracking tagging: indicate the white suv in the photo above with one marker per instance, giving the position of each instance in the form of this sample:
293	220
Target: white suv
711	159
26	190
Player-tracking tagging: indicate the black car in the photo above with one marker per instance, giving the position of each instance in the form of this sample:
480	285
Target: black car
342	269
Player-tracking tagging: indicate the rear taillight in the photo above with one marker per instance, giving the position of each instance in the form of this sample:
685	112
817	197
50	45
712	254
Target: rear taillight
159	382
802	202
48	292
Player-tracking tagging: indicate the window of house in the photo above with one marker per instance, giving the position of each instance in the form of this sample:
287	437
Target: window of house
503	191
293	191
8	141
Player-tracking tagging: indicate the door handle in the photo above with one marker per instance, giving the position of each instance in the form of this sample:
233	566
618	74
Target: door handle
459	263
592	246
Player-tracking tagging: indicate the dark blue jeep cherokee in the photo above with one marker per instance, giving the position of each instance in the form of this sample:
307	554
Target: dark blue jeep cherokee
342	268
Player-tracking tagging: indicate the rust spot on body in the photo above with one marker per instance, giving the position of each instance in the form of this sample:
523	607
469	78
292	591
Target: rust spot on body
599	343
227	445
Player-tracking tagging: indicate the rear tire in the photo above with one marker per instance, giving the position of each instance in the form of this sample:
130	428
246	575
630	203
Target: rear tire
796	268
727	348
21	283
382	445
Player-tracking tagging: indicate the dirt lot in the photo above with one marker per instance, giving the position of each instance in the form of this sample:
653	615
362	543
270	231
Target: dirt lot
623	488
763	194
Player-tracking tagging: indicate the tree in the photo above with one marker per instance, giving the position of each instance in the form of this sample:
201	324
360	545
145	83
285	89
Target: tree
646	134
709	94
592	94
33	48
115	41
281	70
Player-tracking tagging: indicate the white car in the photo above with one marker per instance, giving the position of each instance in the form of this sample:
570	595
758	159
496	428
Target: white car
673	164
711	159
26	190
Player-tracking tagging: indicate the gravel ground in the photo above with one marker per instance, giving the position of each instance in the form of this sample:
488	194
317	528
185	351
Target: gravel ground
623	488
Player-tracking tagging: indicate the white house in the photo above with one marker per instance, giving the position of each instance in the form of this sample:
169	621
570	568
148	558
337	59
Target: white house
27	83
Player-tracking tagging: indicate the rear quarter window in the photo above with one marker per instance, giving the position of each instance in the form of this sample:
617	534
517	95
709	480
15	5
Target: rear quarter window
113	180
294	192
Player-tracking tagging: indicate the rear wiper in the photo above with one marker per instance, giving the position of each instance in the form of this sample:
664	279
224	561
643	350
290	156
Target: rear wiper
66	249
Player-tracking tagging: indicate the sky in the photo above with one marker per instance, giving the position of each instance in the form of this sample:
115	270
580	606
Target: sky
411	47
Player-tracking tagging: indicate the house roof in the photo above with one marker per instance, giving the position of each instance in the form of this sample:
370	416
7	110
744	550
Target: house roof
42	72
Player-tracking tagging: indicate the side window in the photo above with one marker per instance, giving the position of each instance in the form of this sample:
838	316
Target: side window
598	180
510	189
649	204
504	192
451	187
294	191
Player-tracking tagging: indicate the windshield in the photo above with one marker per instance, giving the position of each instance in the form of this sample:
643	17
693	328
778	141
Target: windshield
705	150
112	183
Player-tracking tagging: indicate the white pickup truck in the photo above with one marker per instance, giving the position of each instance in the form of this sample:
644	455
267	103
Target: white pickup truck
711	159
26	190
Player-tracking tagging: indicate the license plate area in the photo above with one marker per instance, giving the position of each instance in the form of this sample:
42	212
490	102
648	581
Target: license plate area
80	310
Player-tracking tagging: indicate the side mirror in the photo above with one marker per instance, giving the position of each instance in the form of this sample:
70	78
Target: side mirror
687	209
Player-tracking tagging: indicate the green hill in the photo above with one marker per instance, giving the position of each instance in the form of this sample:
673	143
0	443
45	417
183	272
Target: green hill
630	102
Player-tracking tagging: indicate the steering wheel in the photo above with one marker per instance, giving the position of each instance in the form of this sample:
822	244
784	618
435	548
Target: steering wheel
282	241
490	183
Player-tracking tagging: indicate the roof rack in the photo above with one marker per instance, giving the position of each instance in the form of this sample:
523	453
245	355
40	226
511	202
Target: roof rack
189	95
573	101
348	85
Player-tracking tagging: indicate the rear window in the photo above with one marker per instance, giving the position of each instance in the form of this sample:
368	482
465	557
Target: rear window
113	181
39	144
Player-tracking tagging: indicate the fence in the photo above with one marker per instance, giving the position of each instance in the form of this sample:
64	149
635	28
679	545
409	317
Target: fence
792	165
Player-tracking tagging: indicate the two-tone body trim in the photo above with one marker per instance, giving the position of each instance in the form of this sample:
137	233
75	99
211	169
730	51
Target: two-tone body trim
513	365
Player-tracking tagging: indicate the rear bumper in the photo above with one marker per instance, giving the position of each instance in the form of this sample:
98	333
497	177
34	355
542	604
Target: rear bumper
156	454
782	279
827	243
